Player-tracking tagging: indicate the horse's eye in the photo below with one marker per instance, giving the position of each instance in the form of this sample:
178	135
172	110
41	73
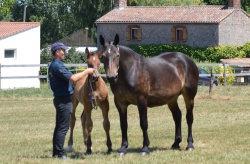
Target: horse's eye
118	55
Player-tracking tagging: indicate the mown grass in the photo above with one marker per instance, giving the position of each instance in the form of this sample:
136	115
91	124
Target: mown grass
221	130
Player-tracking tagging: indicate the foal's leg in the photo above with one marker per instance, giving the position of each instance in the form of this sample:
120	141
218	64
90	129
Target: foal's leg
87	126
72	123
142	107
104	105
176	113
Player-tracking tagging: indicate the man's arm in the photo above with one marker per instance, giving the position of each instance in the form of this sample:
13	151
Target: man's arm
78	76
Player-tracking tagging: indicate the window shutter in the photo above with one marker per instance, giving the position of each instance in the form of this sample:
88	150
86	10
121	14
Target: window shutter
128	33
139	34
184	35
173	35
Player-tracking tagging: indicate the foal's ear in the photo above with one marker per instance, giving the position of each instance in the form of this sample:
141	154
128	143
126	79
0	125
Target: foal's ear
102	41
116	41
87	52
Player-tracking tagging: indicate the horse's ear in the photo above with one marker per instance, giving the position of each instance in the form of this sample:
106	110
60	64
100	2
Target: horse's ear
87	52
102	41
100	53
116	41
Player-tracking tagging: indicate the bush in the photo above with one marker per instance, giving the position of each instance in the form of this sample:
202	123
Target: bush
211	54
229	70
246	49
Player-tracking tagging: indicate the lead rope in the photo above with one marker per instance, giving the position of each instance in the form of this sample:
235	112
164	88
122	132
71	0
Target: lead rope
93	100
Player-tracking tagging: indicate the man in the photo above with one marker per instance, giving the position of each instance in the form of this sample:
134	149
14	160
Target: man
61	83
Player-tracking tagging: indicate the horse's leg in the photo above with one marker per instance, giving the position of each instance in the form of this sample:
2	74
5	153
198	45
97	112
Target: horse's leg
176	113
104	105
87	126
142	107
189	117
122	109
72	123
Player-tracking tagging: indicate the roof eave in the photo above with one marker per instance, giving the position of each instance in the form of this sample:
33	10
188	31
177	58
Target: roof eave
148	22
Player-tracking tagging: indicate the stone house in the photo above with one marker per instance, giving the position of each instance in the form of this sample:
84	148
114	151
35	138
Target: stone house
196	26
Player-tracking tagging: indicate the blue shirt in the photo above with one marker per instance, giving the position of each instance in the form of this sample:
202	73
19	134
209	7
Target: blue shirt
59	76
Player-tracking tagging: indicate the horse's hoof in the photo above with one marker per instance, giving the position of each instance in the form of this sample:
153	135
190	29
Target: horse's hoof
144	153
88	152
122	150
122	154
109	151
175	147
189	149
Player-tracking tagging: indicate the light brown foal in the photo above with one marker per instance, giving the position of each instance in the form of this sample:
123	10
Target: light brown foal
84	94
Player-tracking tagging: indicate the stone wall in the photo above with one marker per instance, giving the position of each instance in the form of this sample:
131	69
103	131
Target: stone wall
234	30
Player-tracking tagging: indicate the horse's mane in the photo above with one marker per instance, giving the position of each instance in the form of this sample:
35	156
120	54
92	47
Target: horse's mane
131	52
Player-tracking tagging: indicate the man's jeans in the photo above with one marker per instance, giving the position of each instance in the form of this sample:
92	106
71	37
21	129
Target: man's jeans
63	105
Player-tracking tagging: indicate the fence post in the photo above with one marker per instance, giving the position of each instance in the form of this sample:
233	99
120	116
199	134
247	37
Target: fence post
211	81
0	76
48	75
224	74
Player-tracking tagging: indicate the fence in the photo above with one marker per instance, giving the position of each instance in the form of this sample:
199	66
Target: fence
241	74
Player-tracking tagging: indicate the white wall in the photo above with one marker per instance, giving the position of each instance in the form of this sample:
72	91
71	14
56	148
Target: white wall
27	45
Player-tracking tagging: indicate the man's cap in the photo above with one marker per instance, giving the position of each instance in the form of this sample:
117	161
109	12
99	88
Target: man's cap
57	46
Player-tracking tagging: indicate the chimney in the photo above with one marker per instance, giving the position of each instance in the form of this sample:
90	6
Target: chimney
235	4
120	4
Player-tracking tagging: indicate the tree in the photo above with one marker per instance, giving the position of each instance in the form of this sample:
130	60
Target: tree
164	2
5	12
246	5
216	2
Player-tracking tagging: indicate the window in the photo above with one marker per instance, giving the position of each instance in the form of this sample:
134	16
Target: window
179	33
9	53
133	33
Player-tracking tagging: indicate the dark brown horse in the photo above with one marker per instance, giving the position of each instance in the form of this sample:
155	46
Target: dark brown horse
86	92
150	82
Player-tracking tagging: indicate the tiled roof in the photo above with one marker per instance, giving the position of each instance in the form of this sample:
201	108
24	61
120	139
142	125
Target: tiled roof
243	62
10	28
167	14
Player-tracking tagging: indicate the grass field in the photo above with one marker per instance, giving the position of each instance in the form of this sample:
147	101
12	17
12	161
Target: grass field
221	130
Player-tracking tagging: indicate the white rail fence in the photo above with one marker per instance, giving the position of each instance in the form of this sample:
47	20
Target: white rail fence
44	75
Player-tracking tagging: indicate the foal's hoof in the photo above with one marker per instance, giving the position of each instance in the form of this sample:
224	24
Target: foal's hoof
69	149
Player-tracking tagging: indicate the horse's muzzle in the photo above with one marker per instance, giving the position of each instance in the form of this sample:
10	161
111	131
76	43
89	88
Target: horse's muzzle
94	78
112	79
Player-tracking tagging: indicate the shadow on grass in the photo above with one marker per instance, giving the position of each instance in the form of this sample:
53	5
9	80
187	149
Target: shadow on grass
76	155
152	149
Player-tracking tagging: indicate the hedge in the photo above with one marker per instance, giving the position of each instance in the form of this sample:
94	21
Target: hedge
210	54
